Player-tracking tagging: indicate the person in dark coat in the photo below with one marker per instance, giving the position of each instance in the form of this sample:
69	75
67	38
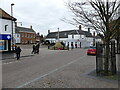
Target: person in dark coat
34	47
76	45
37	48
72	46
68	46
18	50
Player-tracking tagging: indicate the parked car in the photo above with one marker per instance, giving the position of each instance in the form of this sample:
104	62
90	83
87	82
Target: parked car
91	51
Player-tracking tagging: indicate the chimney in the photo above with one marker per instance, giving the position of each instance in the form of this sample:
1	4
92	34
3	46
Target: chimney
94	34
31	27
48	31
89	30
38	33
79	27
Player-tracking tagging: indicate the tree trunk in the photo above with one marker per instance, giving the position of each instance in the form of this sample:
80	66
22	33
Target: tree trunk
118	42
106	61
113	58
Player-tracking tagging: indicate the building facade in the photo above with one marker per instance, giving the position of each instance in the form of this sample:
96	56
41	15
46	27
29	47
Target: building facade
25	35
77	38
6	30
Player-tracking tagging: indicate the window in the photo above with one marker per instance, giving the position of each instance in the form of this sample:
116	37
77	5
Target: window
6	27
26	35
22	41
22	34
31	35
82	36
17	35
72	36
34	36
65	34
3	45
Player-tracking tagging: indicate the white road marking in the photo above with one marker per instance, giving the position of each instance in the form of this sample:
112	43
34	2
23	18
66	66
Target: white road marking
38	78
10	62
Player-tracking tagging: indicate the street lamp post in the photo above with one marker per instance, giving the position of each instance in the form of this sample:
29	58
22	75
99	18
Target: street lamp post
12	24
58	34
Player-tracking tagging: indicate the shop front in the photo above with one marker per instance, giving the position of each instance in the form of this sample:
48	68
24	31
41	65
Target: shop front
5	42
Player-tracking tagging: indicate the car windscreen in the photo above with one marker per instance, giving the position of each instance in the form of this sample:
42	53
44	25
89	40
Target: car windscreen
92	48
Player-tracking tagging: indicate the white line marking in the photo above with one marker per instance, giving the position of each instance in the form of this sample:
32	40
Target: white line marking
50	72
10	62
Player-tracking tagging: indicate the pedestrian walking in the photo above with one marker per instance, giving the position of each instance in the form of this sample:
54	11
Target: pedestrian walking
68	47
72	46
34	47
37	48
18	50
75	45
48	46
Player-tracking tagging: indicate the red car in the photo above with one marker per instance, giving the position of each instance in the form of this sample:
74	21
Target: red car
91	51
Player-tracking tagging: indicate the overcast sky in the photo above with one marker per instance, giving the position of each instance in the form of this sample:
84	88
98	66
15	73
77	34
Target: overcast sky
41	14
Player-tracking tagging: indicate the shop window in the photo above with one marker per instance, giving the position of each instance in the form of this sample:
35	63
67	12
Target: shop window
3	44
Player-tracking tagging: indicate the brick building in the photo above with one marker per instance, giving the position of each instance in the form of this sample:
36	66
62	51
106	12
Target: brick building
25	35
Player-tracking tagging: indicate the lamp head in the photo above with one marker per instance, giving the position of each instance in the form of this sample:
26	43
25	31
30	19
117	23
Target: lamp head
12	4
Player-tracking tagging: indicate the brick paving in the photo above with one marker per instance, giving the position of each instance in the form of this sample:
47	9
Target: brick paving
73	76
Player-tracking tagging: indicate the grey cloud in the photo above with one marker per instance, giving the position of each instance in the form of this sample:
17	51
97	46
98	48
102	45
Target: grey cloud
42	14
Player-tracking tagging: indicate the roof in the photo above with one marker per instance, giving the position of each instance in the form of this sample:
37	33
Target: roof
5	15
64	34
97	37
23	29
87	34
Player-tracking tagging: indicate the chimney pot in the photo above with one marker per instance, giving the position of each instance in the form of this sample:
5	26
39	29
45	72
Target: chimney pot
93	33
38	33
79	27
89	30
31	27
48	31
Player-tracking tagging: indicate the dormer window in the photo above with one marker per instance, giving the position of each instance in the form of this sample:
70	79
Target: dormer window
65	34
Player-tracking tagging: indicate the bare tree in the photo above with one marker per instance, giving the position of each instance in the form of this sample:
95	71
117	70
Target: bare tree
98	15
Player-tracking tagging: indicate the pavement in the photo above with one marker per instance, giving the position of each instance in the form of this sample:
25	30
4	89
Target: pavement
26	51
